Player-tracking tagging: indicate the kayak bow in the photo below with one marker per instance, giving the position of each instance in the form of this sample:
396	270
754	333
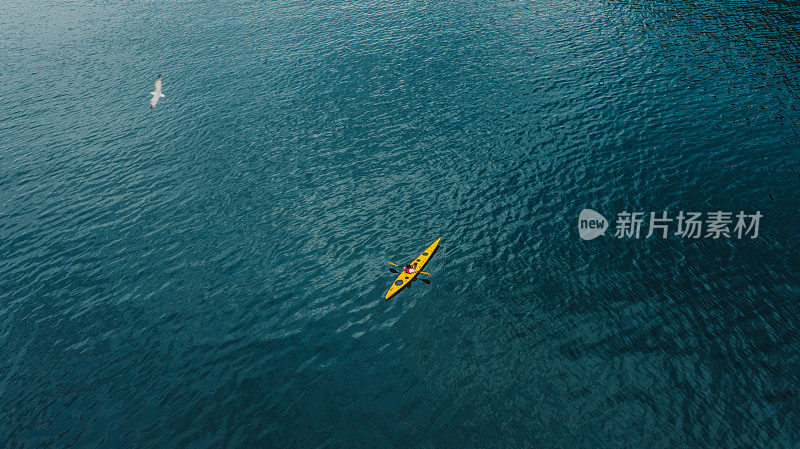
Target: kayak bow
405	278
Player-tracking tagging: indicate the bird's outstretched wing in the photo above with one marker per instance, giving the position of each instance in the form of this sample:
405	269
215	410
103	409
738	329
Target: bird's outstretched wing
158	85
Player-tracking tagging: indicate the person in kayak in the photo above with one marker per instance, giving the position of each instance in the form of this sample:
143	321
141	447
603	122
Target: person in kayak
410	268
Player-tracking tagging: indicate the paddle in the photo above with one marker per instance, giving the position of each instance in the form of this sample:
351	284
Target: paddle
421	279
395	271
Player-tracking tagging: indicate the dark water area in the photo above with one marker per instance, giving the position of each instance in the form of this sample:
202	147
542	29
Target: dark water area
211	273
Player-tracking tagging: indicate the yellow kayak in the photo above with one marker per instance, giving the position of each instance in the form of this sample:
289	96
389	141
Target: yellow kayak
406	278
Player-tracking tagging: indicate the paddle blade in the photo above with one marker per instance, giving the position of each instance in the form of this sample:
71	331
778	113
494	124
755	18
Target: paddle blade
394	271
394	264
425	281
425	272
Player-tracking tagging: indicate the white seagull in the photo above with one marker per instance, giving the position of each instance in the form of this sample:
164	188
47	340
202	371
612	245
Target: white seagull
156	93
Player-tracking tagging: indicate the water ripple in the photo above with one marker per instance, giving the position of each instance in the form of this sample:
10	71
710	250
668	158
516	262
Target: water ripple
211	273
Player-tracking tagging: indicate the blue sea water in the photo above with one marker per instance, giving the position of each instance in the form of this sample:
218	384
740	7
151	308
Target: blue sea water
211	273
